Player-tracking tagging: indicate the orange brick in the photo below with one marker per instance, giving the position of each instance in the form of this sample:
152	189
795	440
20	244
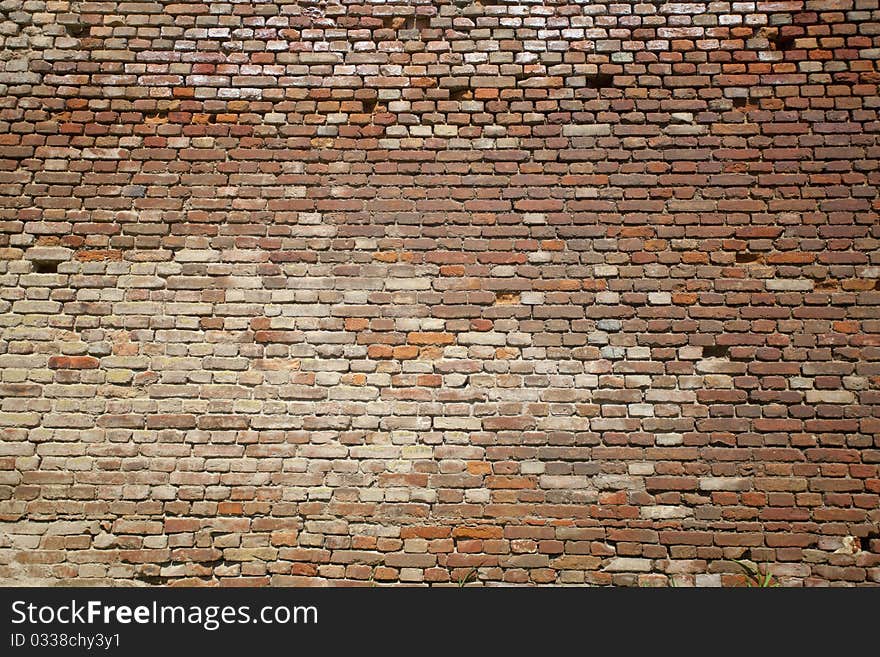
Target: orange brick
479	467
430	338
380	351
478	532
405	352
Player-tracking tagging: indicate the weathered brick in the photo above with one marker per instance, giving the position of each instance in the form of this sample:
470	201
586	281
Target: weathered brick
565	293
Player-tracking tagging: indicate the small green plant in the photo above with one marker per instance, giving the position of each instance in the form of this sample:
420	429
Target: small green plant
754	577
467	578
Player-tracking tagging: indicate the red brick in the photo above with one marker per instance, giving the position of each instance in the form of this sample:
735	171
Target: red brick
73	362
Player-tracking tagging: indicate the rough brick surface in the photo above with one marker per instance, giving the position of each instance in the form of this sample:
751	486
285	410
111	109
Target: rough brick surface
318	293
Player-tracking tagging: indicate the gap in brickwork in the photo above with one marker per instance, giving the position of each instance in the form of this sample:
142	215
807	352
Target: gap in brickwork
746	257
408	22
716	351
46	267
77	29
599	81
828	284
782	40
156	116
505	298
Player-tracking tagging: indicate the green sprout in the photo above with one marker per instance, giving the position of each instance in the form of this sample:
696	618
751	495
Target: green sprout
754	577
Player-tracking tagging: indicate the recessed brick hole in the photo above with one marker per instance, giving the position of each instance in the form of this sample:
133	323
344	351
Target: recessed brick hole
506	298
422	22
156	116
395	22
746	257
369	105
460	94
740	101
782	41
600	81
46	267
716	351
78	29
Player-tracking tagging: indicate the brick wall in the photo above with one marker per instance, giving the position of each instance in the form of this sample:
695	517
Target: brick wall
560	291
